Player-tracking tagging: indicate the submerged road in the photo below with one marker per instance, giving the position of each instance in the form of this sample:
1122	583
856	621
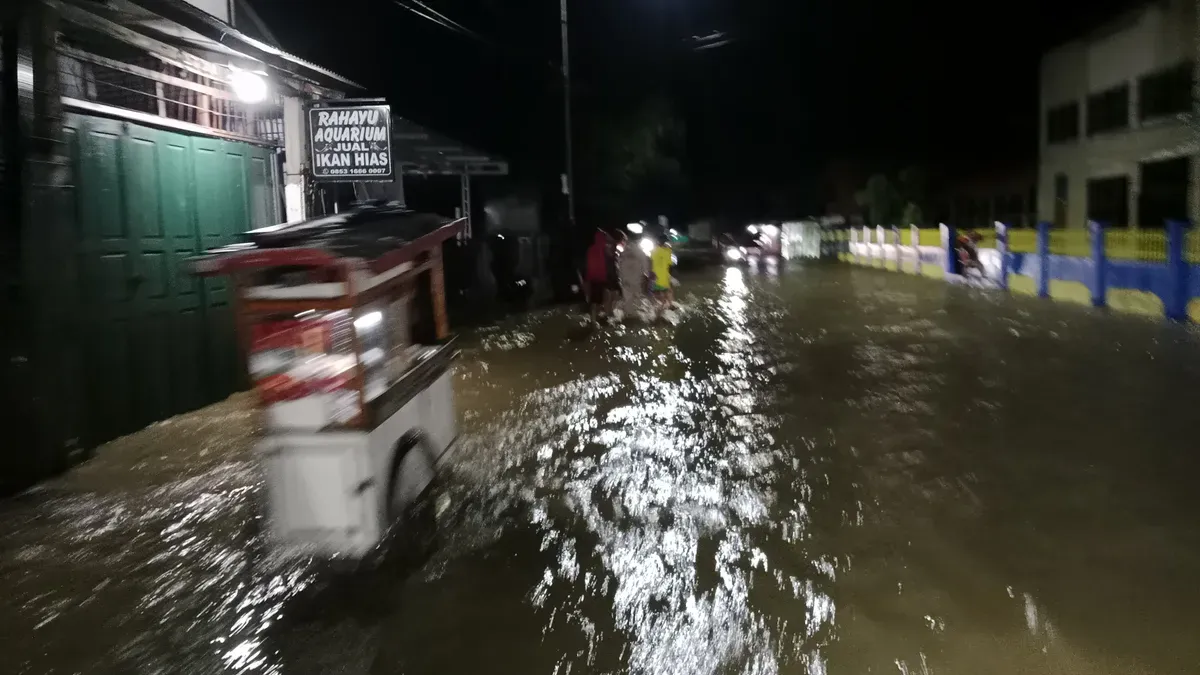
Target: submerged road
827	470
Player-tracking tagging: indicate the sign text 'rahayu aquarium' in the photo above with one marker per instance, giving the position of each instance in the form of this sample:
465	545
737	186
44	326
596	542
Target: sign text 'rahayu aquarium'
351	143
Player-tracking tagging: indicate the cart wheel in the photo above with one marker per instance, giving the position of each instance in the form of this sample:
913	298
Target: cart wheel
412	498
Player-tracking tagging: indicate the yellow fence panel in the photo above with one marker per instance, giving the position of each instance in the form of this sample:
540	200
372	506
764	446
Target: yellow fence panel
931	237
1191	247
1074	242
1022	241
1147	245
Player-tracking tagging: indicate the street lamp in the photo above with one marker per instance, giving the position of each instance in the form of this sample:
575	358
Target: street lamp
248	86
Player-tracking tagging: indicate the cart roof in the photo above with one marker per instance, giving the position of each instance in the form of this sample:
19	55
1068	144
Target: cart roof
380	235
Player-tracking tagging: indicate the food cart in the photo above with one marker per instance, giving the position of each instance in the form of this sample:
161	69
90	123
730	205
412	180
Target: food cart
342	321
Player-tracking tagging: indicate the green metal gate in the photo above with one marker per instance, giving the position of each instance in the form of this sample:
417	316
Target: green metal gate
157	340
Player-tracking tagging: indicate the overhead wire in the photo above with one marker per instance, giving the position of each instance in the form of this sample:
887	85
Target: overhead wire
424	11
450	21
429	14
444	24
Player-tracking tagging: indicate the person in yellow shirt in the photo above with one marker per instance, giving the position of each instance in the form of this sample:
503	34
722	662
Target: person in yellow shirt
660	282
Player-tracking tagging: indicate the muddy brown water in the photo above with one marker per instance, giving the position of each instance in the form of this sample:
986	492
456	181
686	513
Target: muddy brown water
819	469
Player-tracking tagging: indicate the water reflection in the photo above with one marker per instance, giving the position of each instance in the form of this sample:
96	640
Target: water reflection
836	471
668	502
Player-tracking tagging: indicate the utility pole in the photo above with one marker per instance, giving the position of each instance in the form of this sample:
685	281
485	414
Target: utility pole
569	186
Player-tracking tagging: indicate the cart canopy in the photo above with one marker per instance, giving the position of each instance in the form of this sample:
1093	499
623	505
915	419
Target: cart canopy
379	235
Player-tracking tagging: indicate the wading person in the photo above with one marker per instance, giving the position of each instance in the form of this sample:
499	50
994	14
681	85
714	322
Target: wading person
660	267
634	271
967	248
595	277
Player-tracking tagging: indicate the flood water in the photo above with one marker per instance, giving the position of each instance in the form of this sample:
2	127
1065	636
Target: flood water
822	470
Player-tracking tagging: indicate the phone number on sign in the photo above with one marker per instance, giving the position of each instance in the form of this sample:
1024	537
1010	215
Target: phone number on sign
381	171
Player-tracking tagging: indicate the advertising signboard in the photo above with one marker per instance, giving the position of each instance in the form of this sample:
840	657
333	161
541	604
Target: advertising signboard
351	143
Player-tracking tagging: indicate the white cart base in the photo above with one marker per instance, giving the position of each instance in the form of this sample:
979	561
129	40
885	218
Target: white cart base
329	492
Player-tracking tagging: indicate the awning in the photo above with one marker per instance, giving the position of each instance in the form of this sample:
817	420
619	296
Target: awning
419	151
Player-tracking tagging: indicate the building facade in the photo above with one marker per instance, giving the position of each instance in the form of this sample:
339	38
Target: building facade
125	154
1117	141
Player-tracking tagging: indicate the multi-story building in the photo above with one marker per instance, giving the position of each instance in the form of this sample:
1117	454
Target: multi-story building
1117	142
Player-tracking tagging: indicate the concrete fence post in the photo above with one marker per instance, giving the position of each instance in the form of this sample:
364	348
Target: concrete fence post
896	243
1043	256
879	237
854	246
948	256
1099	265
915	233
1176	302
867	244
1002	249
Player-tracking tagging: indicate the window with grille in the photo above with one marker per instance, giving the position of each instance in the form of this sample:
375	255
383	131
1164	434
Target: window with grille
1164	192
1166	92
1108	201
1108	110
1062	123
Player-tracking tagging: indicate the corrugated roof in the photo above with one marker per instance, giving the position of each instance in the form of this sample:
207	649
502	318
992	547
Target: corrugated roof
222	33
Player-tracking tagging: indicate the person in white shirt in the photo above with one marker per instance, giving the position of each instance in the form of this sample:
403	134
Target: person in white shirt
633	268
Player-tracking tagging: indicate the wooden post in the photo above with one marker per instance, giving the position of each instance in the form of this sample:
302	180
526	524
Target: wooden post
437	286
160	95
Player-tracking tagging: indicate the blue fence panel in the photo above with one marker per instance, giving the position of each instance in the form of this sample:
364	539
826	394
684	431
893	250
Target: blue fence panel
1107	264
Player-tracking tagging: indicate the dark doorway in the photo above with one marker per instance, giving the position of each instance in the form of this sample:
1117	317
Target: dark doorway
1108	201
1164	194
1060	200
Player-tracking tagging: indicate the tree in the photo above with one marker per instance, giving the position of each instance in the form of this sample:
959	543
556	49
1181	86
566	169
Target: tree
879	200
912	194
885	202
632	162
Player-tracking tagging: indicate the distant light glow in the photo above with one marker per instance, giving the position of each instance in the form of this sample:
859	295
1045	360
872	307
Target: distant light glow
647	245
634	228
752	229
769	230
733	254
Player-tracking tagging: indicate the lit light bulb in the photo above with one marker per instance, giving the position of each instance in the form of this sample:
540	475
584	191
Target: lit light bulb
247	86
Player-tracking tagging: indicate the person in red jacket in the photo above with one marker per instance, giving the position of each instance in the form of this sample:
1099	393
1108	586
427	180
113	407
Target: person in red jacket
595	276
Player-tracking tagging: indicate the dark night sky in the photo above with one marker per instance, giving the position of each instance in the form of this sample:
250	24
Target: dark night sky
806	81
